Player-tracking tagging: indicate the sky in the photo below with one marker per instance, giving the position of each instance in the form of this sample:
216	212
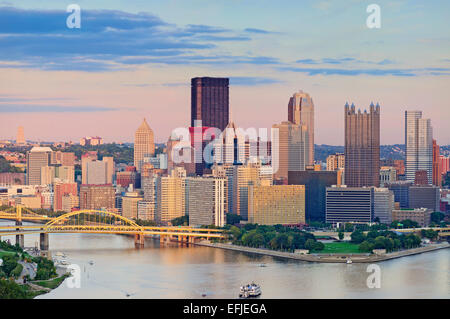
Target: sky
134	59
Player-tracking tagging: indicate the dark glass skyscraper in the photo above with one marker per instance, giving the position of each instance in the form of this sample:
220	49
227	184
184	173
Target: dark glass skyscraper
362	146
210	102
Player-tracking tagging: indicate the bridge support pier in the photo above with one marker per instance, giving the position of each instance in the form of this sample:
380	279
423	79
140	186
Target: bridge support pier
139	240
20	240
43	241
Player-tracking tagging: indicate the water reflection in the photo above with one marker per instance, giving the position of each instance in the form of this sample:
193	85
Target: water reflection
189	272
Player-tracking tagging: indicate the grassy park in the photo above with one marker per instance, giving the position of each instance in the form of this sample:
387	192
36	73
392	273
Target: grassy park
340	248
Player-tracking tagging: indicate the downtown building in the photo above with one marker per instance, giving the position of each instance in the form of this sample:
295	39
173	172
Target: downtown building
349	204
209	109
205	199
98	197
37	158
301	112
276	204
170	196
316	183
144	144
419	146
288	150
362	146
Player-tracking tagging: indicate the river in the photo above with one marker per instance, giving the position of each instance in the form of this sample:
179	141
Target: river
119	269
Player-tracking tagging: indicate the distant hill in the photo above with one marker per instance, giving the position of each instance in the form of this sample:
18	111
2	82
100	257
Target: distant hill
396	151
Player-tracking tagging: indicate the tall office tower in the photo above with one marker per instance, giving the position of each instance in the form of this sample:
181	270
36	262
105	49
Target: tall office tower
383	204
419	145
315	183
335	162
226	171
362	146
229	148
97	197
37	158
437	176
206	201
210	102
301	112
85	159
20	139
95	172
170	196
110	168
144	144
349	204
288	150
276	204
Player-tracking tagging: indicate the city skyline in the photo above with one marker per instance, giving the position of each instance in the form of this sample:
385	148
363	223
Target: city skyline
126	85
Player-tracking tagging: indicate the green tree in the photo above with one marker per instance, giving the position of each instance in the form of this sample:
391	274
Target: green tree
318	246
357	237
310	244
341	235
10	290
365	247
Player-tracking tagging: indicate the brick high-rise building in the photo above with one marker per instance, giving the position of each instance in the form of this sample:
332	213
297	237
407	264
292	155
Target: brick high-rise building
97	197
362	146
61	190
437	176
210	102
301	112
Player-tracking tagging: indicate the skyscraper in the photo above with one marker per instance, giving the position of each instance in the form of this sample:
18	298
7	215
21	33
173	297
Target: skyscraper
419	145
37	158
301	112
144	144
20	139
210	102
362	146
437	176
288	149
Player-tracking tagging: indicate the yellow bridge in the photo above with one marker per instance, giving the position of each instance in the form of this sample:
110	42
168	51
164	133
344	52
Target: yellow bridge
97	222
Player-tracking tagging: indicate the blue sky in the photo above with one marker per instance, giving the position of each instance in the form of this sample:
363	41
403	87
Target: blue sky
128	53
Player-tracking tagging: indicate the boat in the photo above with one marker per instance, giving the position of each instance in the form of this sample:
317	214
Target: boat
91	262
250	290
64	262
262	265
349	261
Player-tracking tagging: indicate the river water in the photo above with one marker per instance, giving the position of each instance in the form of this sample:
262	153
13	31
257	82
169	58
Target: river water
170	271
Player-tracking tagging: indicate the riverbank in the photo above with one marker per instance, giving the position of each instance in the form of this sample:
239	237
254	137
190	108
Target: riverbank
329	258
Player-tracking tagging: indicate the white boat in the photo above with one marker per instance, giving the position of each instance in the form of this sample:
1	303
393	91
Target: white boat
349	261
64	262
250	290
91	262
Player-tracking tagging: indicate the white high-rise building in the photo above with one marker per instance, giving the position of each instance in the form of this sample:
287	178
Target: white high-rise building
419	145
206	200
